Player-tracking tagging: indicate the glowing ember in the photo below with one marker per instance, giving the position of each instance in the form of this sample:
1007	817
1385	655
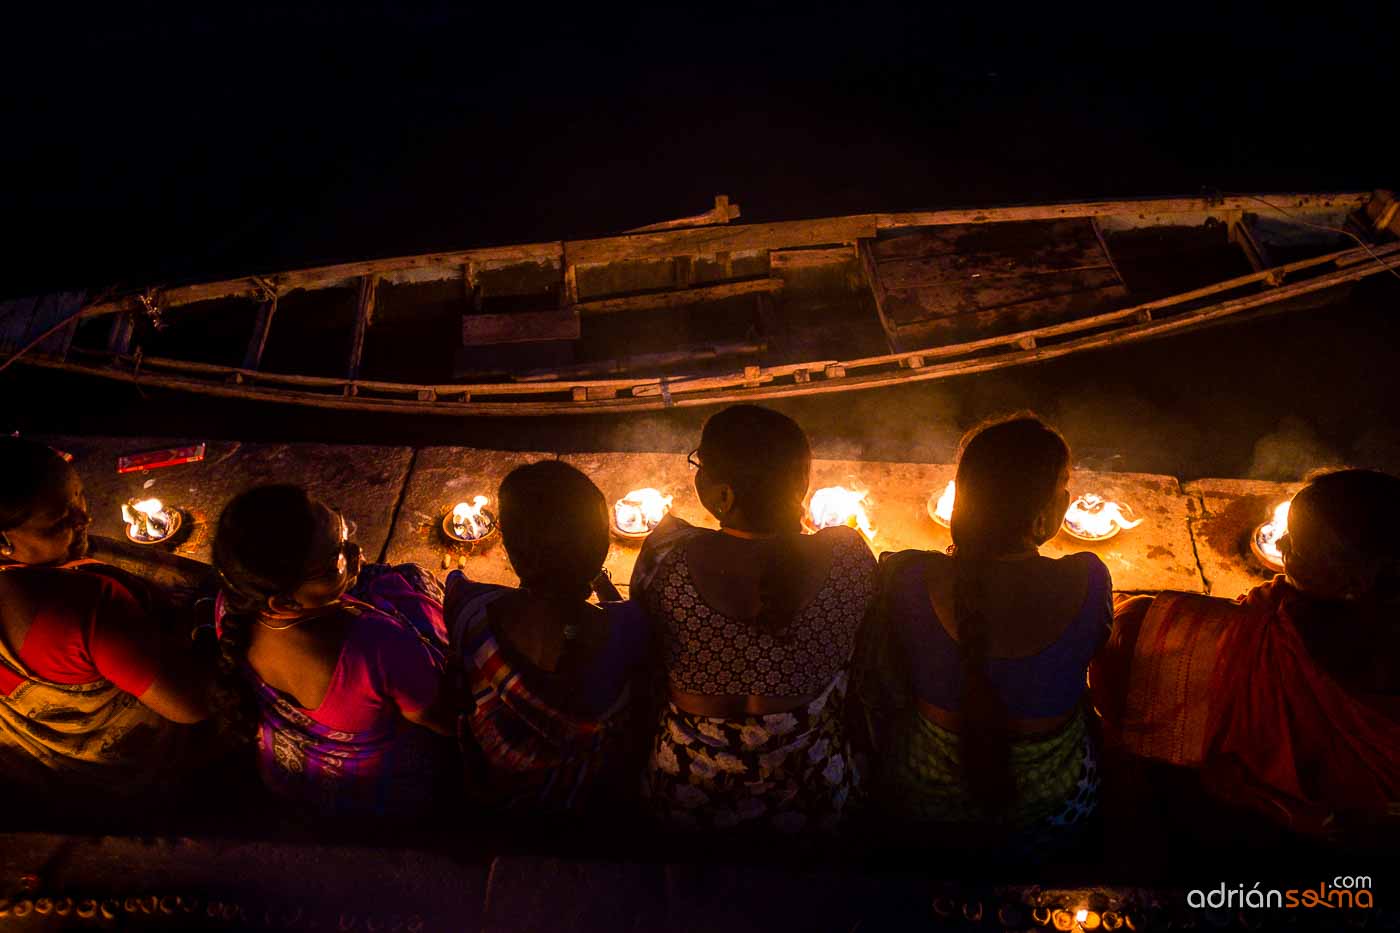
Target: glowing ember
837	505
1093	518
148	521
641	510
470	521
941	510
1265	540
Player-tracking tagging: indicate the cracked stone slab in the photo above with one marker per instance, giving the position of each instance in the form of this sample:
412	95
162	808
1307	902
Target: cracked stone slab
1156	555
1230	510
617	474
364	482
442	477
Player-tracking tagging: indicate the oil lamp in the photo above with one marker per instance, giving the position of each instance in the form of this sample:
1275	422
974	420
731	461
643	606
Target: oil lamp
1263	542
837	505
638	512
1094	518
469	522
940	507
148	521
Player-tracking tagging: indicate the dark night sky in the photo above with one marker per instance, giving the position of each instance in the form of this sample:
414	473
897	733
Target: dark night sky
149	143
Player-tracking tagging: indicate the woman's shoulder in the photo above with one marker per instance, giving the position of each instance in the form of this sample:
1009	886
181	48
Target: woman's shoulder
847	542
1085	564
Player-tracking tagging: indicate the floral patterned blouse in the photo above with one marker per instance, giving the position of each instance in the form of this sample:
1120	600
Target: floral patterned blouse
712	654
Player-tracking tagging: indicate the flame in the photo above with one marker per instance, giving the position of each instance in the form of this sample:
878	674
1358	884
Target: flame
942	511
467	520
147	518
1267	534
837	505
640	511
1092	516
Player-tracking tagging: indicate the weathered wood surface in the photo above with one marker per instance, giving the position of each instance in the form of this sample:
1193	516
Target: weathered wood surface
722	213
364	482
1145	208
443	265
524	327
993	292
680	297
1229	511
441	477
696	242
364	314
708	241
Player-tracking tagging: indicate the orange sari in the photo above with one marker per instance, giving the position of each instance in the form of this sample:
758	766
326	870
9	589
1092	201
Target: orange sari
1229	688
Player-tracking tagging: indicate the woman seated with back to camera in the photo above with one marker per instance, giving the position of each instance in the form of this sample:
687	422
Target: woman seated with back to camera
757	621
1286	702
336	668
973	672
547	674
91	690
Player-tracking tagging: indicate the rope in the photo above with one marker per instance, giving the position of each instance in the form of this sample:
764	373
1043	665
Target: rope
1308	223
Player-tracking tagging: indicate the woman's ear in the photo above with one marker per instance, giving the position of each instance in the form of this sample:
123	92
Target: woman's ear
283	604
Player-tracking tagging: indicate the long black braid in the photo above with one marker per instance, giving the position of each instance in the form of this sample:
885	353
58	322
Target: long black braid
1008	471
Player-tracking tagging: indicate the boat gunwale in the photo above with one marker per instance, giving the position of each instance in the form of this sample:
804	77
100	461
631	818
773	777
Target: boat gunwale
759	382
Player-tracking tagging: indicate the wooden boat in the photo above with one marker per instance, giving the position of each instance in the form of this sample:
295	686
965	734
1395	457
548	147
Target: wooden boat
702	310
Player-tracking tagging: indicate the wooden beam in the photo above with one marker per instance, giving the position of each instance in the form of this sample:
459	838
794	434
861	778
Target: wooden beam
722	213
364	316
343	274
1241	237
877	293
709	241
626	364
1144	207
262	326
522	327
679	297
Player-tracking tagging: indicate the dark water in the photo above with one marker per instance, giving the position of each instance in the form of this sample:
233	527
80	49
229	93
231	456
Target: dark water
150	145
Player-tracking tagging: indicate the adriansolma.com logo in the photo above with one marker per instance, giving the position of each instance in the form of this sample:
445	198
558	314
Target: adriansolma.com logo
1342	892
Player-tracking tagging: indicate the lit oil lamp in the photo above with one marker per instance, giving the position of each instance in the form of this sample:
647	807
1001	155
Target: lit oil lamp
638	512
1263	542
940	507
148	521
469	522
836	505
1094	518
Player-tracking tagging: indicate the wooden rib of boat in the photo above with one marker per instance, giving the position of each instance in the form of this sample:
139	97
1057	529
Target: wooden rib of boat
700	310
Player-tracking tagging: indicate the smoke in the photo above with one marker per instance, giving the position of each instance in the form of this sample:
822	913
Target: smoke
1291	452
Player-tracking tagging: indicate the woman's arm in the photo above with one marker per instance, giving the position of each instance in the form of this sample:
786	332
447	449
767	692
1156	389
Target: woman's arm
1111	668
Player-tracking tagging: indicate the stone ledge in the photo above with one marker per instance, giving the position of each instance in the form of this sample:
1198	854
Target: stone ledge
364	482
1230	509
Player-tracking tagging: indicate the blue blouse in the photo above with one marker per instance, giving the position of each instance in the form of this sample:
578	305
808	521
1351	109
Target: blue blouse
1049	683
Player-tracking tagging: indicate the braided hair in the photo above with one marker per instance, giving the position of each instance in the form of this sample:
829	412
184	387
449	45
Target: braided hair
253	566
768	489
1008	471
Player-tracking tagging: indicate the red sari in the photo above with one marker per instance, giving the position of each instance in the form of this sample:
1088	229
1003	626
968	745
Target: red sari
1229	688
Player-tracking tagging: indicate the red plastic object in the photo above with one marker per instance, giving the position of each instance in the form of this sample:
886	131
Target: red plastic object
155	459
